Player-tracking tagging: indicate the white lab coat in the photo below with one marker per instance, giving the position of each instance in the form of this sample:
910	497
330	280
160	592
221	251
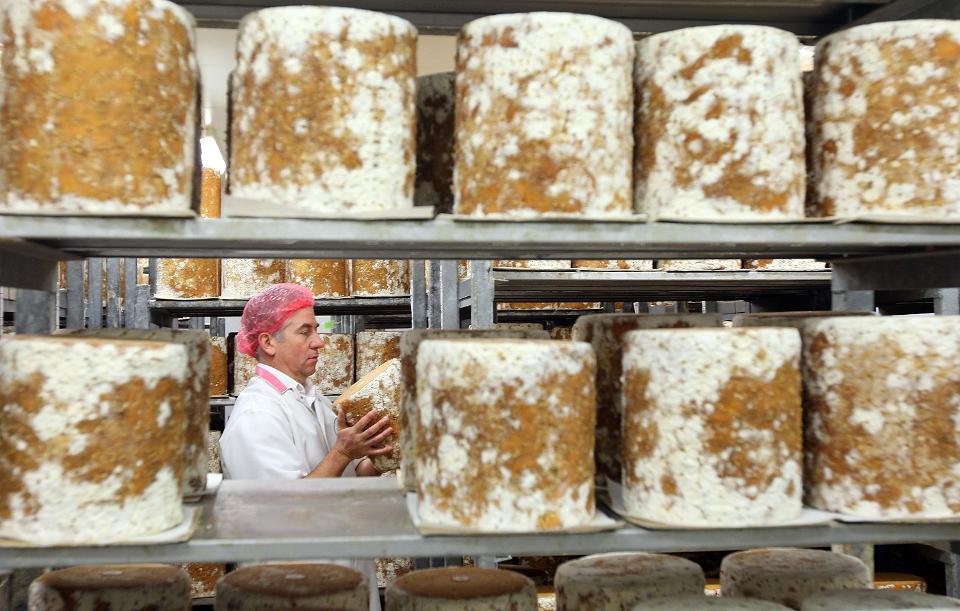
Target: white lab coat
284	435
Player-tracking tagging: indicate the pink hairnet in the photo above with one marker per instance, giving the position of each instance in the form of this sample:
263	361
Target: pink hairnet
267	311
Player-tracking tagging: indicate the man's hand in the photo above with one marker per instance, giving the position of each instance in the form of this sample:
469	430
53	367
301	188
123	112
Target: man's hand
363	438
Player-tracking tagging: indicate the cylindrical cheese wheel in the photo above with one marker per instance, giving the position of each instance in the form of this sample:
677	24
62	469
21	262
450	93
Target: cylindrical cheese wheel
324	103
611	582
544	108
876	600
784	265
886	114
378	391
92	458
112	587
409	349
605	333
218	366
787	319
210	194
244	368
697	265
293	585
881	389
542	264
435	124
692	601
188	279
379	277
375	348
244	278
498	419
461	589
99	107
720	124
335	364
712	426
324	277
634	265
788	576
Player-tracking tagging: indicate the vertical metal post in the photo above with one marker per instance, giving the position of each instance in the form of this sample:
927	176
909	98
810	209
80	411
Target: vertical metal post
951	570
141	308
152	276
481	295
609	307
218	327
449	298
946	302
95	293
842	298
434	296
711	307
418	294
74	294
129	290
113	292
196	323
641	307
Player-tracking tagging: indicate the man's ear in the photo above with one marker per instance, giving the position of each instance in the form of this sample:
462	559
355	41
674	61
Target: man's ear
267	344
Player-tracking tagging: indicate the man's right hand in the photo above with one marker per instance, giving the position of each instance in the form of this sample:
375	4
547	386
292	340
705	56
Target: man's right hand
364	437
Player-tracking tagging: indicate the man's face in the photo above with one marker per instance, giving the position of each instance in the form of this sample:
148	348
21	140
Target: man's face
298	343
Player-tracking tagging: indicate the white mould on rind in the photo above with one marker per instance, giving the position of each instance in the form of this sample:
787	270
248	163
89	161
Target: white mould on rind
712	426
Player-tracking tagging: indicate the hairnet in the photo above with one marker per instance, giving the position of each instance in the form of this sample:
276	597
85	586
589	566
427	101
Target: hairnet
267	311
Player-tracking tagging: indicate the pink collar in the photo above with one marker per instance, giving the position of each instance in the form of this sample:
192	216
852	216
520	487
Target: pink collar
272	380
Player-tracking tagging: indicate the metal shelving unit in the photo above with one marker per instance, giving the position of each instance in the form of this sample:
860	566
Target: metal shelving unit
234	307
249	520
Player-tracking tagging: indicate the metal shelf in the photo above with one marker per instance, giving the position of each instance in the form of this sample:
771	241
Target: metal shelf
234	307
803	17
447	238
575	285
367	518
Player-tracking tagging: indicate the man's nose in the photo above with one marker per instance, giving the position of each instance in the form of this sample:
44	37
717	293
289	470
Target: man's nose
317	341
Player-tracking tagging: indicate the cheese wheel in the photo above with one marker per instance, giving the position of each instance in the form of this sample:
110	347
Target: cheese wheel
875	388
784	265
719	126
204	577
375	348
409	348
611	582
388	569
354	151
697	265
712	426
188	279
378	391
335	366
692	601
112	587
543	264
244	278
324	277
435	124
875	600
292	585
91	458
886	112
605	332
213	452
218	366
788	575
544	107
788	319
633	265
379	277
100	108
497	420
244	368
198	394
461	589
526	306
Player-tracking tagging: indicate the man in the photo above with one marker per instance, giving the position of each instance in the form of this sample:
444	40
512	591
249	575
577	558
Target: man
279	427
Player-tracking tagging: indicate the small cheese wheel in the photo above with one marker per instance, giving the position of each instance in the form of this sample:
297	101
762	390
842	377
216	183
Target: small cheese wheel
611	582
461	589
789	575
292	585
112	587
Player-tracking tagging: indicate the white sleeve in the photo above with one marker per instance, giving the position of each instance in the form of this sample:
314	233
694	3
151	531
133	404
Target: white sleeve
258	444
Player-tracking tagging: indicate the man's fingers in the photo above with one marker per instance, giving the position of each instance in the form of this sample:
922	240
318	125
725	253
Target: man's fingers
364	422
375	428
383	435
341	419
381	451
